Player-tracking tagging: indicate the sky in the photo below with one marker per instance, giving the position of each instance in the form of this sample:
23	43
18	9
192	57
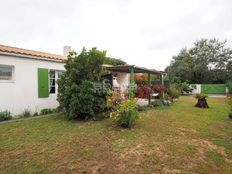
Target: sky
145	33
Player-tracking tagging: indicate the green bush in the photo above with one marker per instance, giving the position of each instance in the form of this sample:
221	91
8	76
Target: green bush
76	92
86	103
46	111
113	99
5	115
229	86
35	114
183	87
230	114
26	113
229	100
174	92
126	113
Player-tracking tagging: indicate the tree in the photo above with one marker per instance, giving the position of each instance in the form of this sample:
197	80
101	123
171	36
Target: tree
181	67
76	92
209	61
114	61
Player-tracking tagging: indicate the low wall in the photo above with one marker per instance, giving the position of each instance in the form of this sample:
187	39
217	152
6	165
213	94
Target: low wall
197	90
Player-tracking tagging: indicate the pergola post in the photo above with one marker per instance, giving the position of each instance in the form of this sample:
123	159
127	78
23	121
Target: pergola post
149	84
132	83
162	83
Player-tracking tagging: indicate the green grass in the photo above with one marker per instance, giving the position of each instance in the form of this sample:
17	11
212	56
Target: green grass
176	139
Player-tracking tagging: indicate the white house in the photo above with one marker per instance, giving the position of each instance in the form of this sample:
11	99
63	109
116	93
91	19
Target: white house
28	79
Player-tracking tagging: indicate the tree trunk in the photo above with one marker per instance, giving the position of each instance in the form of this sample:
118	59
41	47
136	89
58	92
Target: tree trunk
202	103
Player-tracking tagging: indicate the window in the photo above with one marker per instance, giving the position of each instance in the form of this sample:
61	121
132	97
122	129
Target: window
6	73
53	77
52	82
59	73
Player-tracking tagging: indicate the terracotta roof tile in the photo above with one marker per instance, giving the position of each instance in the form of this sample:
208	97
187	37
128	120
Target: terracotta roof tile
9	49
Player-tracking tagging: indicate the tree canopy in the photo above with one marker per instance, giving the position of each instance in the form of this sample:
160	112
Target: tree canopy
114	61
209	61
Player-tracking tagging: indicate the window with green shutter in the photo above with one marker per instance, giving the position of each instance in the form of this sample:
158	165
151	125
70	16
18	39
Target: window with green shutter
43	86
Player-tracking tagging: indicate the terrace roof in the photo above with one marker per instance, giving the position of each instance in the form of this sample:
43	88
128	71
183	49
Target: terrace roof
127	69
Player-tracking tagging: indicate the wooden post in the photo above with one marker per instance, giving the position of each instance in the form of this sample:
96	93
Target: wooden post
132	83
162	83
149	84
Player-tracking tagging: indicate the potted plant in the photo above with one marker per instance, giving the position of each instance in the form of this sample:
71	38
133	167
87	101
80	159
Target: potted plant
201	100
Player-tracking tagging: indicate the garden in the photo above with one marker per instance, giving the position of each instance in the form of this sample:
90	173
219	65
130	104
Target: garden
176	139
99	130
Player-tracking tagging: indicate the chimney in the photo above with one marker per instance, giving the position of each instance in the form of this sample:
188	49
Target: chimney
67	49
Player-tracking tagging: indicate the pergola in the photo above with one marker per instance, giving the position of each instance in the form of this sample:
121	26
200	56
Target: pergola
132	69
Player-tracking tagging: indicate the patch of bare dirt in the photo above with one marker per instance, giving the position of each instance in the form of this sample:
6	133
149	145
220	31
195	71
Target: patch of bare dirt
207	145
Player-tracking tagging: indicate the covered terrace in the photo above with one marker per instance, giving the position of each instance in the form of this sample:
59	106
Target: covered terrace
132	69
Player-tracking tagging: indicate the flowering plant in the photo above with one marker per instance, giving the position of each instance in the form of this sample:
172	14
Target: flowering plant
144	90
126	113
114	98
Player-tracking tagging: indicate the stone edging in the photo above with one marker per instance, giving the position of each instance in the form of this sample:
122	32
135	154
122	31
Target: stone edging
29	118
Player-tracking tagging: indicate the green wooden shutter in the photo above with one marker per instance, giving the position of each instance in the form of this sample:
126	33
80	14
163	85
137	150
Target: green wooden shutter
43	86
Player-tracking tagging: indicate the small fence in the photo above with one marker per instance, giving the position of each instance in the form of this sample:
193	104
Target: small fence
213	88
210	89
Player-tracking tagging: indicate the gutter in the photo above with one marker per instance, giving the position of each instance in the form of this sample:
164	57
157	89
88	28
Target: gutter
29	57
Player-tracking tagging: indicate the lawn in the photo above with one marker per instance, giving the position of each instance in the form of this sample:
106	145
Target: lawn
176	139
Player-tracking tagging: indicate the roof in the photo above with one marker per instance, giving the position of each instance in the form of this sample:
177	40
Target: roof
107	65
127	68
34	54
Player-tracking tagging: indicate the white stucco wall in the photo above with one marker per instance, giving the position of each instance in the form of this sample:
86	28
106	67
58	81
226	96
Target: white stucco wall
197	90
22	93
123	80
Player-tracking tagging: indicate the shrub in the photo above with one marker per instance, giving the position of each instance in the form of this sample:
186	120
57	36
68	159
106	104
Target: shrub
26	113
55	110
184	87
46	111
113	99
174	92
230	114
36	114
201	96
229	100
86	103
201	101
5	115
77	90
126	113
167	96
229	86
144	90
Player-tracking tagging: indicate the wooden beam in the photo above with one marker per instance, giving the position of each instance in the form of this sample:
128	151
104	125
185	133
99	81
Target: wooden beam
149	84
132	83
